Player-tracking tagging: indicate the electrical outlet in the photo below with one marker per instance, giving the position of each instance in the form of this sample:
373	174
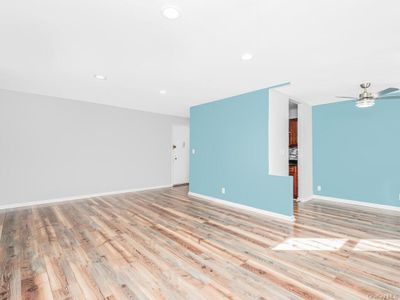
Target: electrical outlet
319	188
223	190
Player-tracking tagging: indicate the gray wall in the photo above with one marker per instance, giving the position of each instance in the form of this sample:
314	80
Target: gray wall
54	148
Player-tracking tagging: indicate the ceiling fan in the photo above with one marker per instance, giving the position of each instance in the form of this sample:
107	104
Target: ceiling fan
367	99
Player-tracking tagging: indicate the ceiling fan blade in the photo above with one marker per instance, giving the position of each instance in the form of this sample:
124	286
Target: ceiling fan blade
386	91
344	97
389	97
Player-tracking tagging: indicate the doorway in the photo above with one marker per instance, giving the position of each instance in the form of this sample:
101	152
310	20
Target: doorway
293	147
180	155
290	142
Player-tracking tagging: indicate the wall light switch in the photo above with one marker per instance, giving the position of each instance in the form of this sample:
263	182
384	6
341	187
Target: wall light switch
193	151
223	190
319	188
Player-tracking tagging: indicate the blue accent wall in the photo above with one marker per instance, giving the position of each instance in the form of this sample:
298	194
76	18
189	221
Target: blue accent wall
230	137
357	151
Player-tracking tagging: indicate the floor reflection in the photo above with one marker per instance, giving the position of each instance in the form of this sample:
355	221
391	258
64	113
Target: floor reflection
311	244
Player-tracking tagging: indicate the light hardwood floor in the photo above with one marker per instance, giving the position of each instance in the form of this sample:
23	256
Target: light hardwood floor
161	244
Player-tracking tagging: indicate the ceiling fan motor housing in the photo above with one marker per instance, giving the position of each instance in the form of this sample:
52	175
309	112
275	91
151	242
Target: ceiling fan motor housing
366	95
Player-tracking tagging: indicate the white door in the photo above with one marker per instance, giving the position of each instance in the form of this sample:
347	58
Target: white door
180	154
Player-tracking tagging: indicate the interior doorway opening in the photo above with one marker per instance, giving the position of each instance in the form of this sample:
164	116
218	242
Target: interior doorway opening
293	147
290	142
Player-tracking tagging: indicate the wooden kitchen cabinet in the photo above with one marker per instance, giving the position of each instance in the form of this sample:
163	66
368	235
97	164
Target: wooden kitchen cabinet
293	171
293	133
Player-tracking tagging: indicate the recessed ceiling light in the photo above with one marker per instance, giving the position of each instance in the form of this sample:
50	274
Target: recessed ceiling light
100	77
163	92
247	56
171	12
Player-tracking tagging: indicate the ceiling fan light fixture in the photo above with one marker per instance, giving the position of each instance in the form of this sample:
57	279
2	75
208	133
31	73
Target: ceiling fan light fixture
364	103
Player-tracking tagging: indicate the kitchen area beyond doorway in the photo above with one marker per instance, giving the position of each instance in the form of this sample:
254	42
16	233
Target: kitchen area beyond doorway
293	147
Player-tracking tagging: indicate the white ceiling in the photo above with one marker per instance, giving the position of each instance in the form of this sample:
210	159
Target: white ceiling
324	48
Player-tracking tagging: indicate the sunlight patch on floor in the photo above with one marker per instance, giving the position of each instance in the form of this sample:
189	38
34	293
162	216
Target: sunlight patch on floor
311	244
378	245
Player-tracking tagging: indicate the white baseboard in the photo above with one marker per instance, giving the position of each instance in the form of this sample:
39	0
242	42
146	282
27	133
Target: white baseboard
244	207
305	199
78	197
354	202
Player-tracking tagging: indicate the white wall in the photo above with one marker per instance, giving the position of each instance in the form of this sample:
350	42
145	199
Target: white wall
305	161
278	129
52	148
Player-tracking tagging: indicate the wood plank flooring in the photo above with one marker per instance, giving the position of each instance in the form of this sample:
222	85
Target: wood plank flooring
162	244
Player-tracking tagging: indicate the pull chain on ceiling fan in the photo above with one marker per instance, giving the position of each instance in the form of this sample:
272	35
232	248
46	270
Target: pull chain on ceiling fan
367	99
